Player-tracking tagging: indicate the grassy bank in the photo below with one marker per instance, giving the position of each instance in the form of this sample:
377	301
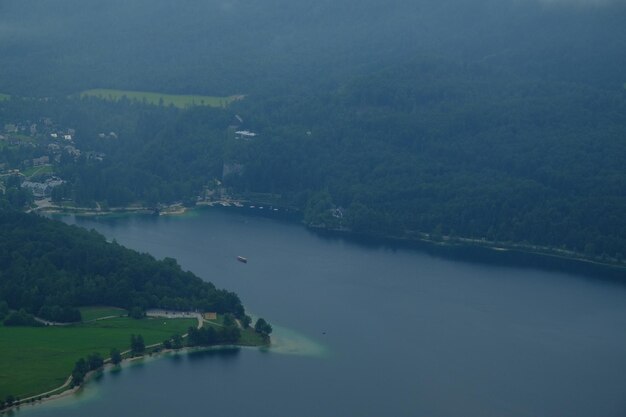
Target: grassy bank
39	359
181	101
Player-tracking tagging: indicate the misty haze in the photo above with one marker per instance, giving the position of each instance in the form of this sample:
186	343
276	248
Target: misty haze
331	208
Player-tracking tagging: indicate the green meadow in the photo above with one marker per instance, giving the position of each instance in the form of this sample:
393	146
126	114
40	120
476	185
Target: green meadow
94	313
180	101
39	359
40	170
251	338
4	97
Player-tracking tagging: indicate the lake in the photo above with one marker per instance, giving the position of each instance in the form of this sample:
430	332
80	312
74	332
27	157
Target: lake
366	329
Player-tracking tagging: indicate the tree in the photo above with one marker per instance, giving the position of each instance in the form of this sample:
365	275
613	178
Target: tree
136	313
4	309
229	320
177	341
21	318
116	356
245	321
95	361
167	343
263	327
230	334
80	370
9	400
137	345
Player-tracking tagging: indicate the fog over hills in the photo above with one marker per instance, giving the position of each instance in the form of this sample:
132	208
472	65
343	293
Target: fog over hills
478	118
227	47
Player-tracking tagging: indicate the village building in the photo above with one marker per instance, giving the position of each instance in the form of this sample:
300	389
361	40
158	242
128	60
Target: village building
42	189
245	134
41	161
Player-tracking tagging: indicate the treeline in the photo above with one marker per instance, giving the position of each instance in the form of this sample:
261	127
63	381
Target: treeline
48	268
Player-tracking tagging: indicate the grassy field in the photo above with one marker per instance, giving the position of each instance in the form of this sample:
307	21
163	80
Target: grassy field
251	338
38	359
180	101
40	170
93	313
4	97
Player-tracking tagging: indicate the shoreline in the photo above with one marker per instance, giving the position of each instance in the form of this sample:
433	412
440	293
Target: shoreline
152	351
66	390
422	238
494	252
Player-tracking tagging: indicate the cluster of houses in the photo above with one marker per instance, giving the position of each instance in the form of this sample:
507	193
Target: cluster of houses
42	189
20	133
53	140
50	142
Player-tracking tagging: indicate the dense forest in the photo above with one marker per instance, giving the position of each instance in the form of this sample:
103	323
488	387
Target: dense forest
428	147
498	121
48	267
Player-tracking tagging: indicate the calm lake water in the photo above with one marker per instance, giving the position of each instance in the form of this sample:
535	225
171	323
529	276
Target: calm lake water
369	330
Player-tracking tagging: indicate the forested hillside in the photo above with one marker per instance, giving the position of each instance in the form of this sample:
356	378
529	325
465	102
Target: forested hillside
499	121
461	150
46	265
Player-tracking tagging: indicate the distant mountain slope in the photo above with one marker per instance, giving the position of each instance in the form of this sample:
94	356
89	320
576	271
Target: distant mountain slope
217	47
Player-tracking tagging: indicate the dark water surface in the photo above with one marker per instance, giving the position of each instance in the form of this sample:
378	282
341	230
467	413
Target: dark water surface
365	330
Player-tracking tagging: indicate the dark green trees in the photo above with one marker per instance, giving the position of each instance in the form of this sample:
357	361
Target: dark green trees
116	356
208	336
4	309
62	267
137	345
263	327
95	361
21	318
80	370
136	313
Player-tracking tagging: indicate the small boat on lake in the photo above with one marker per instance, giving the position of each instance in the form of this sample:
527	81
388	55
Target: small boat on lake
242	259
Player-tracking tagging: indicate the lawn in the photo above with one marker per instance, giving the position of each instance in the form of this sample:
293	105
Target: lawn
93	313
180	101
39	359
251	338
40	170
4	97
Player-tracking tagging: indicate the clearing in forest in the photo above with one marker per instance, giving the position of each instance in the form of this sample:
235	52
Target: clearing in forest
180	101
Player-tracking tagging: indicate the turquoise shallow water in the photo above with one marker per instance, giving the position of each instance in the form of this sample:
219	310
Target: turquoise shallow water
370	330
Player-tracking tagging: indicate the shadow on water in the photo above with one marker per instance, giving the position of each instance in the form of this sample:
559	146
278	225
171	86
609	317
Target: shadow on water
482	255
460	252
223	353
217	352
115	372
